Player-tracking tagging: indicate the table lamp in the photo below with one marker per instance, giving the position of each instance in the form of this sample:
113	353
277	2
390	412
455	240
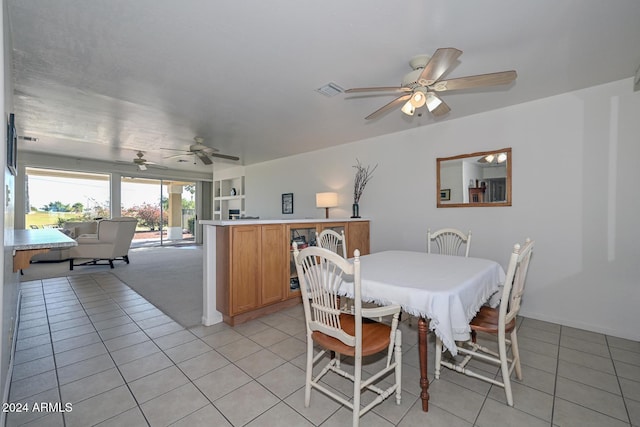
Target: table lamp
326	201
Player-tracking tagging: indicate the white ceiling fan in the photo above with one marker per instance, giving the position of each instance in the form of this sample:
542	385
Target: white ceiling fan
201	151
142	163
422	86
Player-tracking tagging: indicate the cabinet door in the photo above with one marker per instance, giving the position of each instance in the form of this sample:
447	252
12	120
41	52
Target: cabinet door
274	261
358	237
245	268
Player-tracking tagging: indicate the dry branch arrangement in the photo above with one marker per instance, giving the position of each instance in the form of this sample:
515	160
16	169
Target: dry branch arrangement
363	175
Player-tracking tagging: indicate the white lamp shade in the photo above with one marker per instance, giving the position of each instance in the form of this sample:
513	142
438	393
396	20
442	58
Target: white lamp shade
433	101
408	108
326	200
417	99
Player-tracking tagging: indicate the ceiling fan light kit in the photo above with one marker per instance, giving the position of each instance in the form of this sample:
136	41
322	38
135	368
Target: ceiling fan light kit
408	109
433	102
417	99
421	84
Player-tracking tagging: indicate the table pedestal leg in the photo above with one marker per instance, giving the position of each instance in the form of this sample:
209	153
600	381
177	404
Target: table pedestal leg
423	329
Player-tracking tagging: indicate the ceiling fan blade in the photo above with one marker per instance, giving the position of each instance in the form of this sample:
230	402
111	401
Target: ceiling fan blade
174	156
388	106
224	156
173	149
491	79
203	156
379	89
440	62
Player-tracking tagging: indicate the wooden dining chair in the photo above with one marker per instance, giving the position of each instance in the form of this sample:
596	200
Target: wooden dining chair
322	274
336	242
448	241
498	322
332	240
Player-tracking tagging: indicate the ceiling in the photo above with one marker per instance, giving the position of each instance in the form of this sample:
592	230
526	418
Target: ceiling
103	79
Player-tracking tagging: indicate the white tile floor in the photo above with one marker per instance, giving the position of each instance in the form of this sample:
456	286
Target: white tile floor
94	343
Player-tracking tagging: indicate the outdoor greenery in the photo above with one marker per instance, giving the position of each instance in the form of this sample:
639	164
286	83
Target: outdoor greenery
148	215
57	213
58	206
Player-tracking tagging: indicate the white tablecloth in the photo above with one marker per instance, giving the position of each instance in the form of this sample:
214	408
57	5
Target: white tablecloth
448	290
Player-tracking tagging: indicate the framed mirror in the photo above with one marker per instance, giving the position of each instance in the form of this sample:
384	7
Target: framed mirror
475	179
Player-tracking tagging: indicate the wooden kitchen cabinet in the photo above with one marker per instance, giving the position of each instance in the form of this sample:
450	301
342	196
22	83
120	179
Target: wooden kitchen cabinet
273	275
255	272
358	237
257	275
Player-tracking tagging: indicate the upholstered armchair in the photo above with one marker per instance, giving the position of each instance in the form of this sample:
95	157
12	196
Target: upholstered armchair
111	242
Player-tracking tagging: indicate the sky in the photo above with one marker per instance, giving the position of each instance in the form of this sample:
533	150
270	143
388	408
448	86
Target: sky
46	189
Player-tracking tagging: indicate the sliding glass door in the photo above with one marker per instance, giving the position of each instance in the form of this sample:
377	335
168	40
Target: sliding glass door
165	210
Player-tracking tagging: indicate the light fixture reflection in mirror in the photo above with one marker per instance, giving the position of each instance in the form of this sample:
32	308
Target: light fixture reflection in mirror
474	179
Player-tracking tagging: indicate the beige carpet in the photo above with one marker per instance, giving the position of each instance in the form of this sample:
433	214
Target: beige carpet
168	277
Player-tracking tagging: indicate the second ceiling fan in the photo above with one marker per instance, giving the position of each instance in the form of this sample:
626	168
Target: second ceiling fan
202	152
421	87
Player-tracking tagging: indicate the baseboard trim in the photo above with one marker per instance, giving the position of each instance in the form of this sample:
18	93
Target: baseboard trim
12	353
254	314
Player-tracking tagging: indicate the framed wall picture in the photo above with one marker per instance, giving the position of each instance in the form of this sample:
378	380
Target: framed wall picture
287	203
445	194
12	145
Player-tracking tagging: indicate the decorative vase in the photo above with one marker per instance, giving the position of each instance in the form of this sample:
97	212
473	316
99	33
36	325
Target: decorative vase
356	211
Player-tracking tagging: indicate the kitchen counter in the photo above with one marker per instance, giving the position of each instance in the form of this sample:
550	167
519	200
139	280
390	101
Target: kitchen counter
247	265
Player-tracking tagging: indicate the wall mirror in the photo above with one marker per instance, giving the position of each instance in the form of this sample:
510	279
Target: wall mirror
475	179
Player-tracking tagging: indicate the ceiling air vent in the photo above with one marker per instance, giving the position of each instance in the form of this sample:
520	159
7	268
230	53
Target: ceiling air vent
28	138
330	89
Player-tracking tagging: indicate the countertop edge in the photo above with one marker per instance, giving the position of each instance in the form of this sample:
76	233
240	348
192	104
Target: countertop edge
277	221
41	239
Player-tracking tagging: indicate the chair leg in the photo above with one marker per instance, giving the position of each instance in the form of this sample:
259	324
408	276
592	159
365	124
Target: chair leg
357	378
504	367
398	357
309	373
111	263
438	357
126	258
70	263
516	354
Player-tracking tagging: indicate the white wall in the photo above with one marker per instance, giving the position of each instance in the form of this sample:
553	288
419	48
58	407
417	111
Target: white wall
575	177
9	293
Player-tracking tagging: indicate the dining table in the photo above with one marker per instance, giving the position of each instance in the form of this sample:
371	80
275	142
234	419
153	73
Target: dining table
445	292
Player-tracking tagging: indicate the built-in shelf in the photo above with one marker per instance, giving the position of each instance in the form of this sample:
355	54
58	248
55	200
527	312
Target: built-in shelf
228	198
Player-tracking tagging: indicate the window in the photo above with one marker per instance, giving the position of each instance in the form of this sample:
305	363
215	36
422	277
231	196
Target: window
56	196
